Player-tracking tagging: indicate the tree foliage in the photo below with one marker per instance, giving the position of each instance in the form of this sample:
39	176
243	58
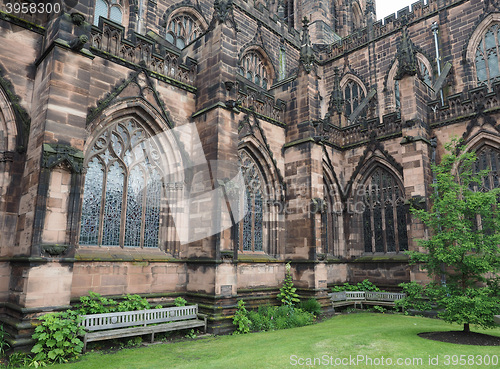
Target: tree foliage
463	247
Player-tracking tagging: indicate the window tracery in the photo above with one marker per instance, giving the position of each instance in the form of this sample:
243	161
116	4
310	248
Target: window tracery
112	9
353	95
384	216
251	233
253	68
182	30
123	189
486	58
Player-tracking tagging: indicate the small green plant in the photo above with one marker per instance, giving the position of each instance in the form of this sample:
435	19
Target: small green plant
379	309
4	345
94	303
57	337
311	305
240	319
133	302
134	342
191	334
287	294
365	285
179	301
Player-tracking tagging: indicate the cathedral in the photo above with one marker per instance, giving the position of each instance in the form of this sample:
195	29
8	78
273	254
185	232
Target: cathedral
117	116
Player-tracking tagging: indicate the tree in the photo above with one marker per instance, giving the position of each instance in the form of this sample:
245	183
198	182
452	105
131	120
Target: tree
463	249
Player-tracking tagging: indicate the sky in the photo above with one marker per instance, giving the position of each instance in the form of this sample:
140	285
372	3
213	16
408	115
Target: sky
387	7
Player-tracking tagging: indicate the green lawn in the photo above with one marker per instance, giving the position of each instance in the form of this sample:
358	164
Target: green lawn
372	336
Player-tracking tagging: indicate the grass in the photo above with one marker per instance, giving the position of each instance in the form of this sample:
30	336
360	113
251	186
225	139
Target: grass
392	336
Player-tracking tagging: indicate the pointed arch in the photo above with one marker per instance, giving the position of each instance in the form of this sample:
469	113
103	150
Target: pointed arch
132	172
255	65
183	25
331	216
379	204
425	73
268	198
482	51
8	127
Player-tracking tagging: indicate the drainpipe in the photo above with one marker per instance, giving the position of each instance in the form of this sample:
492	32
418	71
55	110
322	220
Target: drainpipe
435	30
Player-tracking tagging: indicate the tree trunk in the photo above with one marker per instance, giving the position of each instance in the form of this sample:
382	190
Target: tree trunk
466	328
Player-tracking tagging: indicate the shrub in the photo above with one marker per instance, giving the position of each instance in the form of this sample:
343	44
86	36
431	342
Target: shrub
311	305
365	285
268	318
133	302
240	319
179	301
57	337
287	294
94	303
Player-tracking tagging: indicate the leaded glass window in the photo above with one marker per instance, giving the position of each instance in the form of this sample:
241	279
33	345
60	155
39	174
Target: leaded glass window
384	216
251	235
253	68
487	61
108	9
123	189
182	30
353	95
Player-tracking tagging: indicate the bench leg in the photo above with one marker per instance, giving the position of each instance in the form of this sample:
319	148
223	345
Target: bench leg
152	336
84	343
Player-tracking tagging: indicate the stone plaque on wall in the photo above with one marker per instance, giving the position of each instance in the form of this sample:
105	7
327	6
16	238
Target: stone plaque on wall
226	290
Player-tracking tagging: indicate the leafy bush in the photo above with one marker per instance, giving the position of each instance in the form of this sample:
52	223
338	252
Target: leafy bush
417	297
311	305
240	319
179	301
133	302
365	285
287	294
278	317
94	303
57	337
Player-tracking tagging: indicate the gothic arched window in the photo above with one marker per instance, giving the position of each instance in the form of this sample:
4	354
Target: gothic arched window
123	189
384	216
253	68
488	158
182	30
251	231
487	61
353	95
111	9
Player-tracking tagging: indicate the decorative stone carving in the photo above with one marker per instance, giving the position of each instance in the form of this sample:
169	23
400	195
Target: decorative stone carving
306	50
223	11
55	154
407	61
78	42
336	99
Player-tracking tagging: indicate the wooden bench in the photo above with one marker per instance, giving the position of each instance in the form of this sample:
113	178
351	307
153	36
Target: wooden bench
496	319
139	322
346	298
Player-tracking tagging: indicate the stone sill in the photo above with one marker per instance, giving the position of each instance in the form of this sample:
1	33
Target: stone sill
100	253
395	258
